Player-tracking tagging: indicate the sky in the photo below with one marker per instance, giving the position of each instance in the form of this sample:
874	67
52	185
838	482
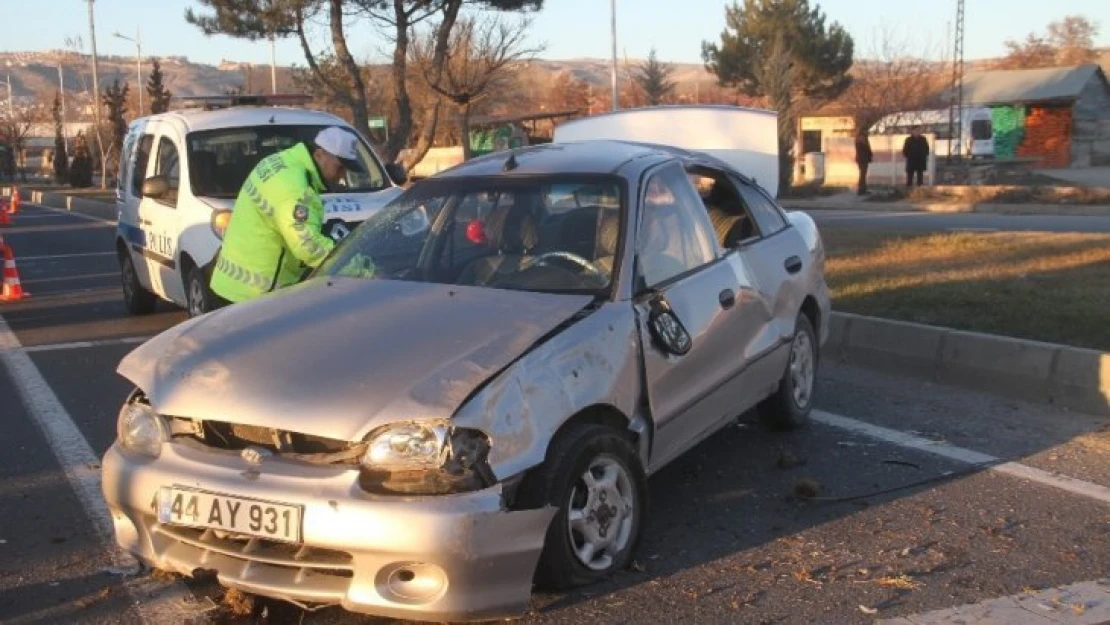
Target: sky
567	28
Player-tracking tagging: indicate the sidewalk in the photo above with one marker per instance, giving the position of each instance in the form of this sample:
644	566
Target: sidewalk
851	201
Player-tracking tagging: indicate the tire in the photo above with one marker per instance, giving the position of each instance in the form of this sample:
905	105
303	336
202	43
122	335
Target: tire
198	298
599	519
789	407
136	299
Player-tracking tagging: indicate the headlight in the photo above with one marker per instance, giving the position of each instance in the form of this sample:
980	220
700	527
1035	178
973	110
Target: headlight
220	219
142	430
426	458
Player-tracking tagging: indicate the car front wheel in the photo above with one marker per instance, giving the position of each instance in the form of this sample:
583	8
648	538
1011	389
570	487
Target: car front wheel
594	477
790	406
136	299
197	294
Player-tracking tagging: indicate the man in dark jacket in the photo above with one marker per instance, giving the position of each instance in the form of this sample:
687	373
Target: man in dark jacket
863	158
916	151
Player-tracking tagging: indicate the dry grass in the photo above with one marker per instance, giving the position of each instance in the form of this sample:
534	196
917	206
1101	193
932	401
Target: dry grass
1040	286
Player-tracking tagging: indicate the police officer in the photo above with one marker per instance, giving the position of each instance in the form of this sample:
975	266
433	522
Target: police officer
275	227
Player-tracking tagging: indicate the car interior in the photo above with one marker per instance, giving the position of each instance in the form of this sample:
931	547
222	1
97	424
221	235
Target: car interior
732	222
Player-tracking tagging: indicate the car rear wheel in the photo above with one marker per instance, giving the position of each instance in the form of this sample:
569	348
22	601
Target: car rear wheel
790	406
593	476
136	299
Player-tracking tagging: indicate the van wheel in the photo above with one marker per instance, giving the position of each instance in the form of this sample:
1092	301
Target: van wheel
593	476
136	299
197	294
789	407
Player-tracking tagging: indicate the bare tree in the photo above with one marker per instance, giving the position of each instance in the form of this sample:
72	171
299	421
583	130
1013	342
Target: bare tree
478	61
14	132
893	80
1069	41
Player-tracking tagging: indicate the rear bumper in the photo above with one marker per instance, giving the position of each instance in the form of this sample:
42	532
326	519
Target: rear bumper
461	557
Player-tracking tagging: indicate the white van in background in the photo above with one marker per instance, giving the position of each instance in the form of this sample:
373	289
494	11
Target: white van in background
181	172
974	121
746	139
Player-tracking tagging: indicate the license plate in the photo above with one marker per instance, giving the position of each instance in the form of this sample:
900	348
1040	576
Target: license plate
252	517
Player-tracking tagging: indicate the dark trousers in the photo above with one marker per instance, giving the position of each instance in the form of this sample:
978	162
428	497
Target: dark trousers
863	177
910	175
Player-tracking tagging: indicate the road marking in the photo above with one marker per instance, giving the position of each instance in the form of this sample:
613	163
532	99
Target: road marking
80	276
75	214
153	603
51	347
24	259
1084	603
967	456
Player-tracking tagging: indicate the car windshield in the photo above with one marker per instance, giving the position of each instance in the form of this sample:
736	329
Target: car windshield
553	234
221	160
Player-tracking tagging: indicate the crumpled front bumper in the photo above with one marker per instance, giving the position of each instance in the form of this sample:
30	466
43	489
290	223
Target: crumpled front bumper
458	557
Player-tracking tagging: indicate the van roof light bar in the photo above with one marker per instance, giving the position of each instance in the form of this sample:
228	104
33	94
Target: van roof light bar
210	102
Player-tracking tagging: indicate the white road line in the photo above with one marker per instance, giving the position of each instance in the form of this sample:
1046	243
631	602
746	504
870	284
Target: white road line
127	340
24	259
82	470
74	213
968	456
1085	603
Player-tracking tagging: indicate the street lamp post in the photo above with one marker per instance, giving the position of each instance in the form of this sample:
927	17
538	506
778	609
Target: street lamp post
138	64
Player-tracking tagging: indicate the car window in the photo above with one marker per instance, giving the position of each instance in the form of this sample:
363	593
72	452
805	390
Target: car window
221	160
142	157
674	236
169	166
767	216
558	233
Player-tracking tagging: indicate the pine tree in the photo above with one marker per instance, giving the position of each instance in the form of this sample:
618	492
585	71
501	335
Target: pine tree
653	78
115	98
61	159
781	50
159	95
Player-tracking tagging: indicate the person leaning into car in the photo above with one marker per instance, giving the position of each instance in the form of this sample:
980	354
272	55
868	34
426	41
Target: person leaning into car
275	228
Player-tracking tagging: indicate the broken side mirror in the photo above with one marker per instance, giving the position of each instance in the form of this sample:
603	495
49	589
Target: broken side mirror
155	187
666	328
396	171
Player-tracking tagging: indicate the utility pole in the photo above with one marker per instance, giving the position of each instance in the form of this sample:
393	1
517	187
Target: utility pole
138	64
11	107
956	126
62	92
273	66
96	101
613	25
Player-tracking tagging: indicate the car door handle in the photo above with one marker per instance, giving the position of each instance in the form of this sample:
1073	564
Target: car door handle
793	264
727	298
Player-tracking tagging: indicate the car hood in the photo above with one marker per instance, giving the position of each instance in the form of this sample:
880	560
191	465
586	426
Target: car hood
337	357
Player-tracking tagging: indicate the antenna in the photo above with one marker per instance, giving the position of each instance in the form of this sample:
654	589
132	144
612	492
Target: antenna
510	163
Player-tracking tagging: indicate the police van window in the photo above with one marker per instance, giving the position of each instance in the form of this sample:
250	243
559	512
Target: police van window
142	157
767	216
168	165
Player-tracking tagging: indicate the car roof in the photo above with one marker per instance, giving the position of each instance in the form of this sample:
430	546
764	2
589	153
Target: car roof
199	119
581	157
600	156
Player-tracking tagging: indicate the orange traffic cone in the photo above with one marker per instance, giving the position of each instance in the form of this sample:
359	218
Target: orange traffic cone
16	199
5	204
13	291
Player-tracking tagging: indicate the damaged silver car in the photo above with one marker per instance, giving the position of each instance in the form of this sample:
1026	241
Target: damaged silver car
467	397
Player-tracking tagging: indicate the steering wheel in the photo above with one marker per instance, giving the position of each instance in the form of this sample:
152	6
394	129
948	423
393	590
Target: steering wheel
570	256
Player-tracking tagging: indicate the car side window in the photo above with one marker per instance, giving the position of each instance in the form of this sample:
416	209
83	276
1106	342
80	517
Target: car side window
142	157
169	166
672	239
762	209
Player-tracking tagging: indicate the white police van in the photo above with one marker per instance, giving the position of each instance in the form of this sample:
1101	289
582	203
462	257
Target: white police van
181	172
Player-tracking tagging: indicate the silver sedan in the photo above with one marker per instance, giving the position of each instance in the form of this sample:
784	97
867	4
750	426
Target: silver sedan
467	397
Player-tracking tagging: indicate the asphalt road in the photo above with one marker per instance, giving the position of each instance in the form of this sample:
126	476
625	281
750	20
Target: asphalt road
927	498
941	222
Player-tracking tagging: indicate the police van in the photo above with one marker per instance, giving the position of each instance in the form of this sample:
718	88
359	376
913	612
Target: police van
179	176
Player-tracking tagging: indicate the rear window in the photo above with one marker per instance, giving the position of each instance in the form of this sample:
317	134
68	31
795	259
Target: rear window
981	129
221	160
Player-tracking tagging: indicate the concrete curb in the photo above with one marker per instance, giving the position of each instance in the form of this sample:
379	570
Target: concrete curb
1060	375
1083	210
96	208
